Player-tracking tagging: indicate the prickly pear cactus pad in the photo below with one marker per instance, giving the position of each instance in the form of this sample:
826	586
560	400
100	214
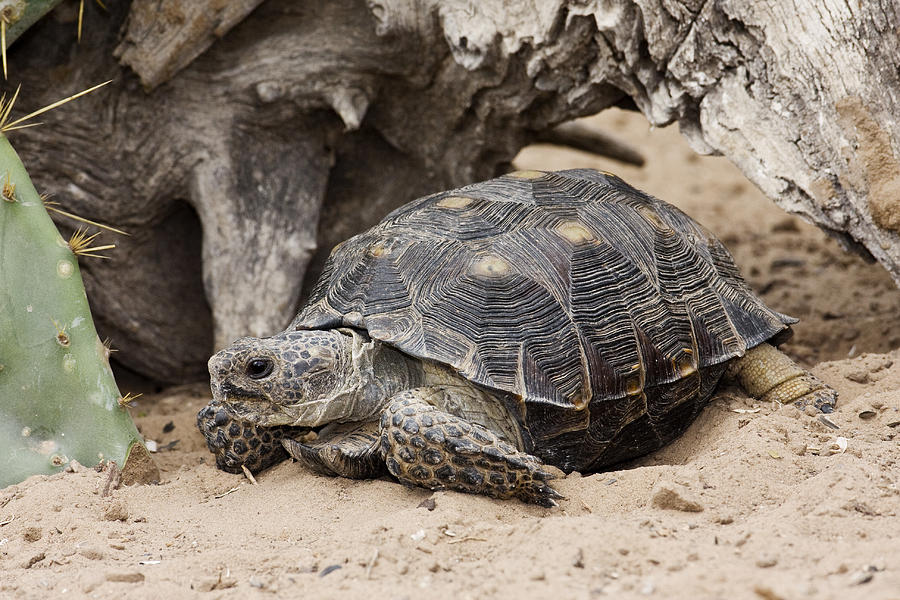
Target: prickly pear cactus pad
19	15
58	398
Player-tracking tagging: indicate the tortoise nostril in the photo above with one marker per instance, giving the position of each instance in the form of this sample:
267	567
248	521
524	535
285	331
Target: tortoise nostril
259	368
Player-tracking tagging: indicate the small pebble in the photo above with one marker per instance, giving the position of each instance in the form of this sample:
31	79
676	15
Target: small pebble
116	511
74	467
725	520
329	569
766	562
32	534
427	504
215	583
864	575
91	553
33	560
670	496
858	375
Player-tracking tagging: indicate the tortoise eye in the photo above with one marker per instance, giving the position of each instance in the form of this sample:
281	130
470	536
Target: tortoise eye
259	368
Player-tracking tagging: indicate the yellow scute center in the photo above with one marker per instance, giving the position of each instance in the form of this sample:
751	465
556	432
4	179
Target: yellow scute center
454	202
490	265
574	232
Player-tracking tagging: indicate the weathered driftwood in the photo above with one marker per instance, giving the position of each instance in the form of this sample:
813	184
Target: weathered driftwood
308	121
161	37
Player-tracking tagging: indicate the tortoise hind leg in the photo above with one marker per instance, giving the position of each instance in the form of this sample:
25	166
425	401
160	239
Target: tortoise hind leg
768	374
427	447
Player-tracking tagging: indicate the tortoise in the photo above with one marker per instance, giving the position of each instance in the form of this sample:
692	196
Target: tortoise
477	335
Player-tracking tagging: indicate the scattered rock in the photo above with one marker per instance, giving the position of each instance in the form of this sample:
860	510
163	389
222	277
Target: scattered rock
858	375
725	520
670	496
860	507
33	560
427	503
91	553
329	569
766	562
75	467
215	583
864	575
32	534
128	577
116	511
766	593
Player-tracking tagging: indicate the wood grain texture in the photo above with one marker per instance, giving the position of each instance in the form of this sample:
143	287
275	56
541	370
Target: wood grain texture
164	36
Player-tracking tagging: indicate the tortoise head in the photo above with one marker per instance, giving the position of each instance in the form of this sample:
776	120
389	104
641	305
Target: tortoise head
266	389
296	378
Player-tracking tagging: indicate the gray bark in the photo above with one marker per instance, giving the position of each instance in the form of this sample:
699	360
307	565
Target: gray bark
309	121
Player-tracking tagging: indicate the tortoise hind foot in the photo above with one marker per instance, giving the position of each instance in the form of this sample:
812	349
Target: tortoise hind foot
770	375
426	447
343	450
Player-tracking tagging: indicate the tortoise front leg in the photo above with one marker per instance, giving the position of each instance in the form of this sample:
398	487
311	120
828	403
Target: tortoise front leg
345	450
427	447
769	374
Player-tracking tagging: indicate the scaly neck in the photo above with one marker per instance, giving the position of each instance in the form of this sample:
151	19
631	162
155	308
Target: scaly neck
376	372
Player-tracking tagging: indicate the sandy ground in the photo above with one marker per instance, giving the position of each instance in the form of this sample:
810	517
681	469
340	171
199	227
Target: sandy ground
754	501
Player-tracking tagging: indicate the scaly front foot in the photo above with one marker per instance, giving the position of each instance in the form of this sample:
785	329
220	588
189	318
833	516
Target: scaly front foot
238	443
427	447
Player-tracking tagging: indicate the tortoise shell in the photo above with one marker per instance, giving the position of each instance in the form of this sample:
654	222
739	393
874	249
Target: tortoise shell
563	289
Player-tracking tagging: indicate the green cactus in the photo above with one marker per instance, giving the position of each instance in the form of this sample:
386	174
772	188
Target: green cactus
58	398
19	15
